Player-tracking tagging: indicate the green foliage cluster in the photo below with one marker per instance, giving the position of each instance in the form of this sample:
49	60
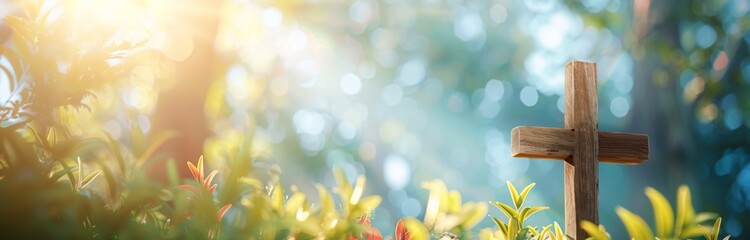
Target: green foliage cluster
686	225
60	185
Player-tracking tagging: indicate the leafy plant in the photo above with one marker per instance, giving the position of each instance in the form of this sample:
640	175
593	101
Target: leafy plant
685	225
517	215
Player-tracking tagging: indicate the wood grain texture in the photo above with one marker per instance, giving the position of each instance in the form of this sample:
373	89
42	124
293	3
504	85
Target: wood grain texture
558	143
581	171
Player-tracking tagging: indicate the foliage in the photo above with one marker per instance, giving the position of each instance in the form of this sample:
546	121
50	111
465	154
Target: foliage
685	225
514	228
60	185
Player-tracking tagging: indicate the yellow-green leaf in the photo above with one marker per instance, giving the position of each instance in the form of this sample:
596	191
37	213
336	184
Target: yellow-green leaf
359	189
528	211
715	230
704	216
472	214
90	178
685	212
416	230
326	202
296	201
663	214
513	194
559	235
545	231
636	226
596	232
694	231
500	225
512	228
367	204
344	188
507	210
522	196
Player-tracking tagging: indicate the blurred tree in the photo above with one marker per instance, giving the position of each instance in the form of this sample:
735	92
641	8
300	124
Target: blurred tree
180	105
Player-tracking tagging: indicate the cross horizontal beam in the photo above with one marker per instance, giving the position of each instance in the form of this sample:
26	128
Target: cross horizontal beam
558	143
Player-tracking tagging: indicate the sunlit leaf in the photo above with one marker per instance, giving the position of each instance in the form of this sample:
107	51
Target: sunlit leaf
416	230
472	214
528	211
663	214
715	229
514	194
210	178
558	232
596	232
194	171
89	178
223	210
296	201
685	212
636	226
500	225
359	189
507	210
522	196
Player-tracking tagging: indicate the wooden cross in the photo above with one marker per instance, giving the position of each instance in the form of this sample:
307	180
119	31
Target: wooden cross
580	145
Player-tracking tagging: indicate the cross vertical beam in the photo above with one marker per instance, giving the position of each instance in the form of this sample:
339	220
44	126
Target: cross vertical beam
581	168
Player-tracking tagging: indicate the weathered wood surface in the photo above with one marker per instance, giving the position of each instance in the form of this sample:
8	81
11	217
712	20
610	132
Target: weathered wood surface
558	143
581	146
582	170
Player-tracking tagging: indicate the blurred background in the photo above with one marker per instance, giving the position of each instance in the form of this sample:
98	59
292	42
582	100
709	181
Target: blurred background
406	91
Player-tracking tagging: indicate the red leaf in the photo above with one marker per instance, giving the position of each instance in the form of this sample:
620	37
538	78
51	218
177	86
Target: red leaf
222	211
194	171
374	234
207	181
401	232
370	233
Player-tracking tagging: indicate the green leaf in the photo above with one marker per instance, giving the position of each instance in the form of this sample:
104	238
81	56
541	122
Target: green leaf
359	189
500	225
60	173
513	194
89	178
522	234
528	211
715	230
365	206
545	231
685	212
704	216
512	228
472	214
172	173
694	231
326	202
416	230
344	188
507	210
522	197
596	232
663	214
532	230
296	201
636	226
558	232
